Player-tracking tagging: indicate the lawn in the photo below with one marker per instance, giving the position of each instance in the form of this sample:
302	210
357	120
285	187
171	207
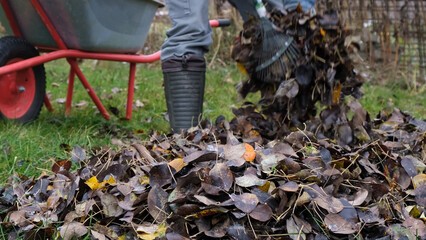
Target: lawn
31	149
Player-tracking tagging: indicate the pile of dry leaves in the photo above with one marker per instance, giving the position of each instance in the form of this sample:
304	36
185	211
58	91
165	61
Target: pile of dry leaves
217	183
278	173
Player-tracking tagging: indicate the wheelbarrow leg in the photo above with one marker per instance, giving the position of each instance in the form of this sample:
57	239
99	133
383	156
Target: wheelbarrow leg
47	103
70	91
92	94
130	89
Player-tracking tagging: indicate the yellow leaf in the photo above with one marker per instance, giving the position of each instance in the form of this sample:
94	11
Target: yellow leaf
177	164
144	179
203	213
147	233
249	155
336	93
265	186
419	180
94	184
241	68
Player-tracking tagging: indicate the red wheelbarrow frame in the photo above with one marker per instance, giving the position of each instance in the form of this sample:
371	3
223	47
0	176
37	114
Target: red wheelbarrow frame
72	55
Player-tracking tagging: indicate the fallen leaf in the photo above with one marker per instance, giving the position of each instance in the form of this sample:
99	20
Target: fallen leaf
338	224
295	232
73	230
221	176
249	154
157	199
82	104
97	235
61	165
78	154
94	184
149	231
110	205
262	213
178	164
160	175
419	180
61	100
246	202
249	180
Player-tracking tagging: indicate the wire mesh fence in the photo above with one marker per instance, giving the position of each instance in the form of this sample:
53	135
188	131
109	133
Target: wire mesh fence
390	32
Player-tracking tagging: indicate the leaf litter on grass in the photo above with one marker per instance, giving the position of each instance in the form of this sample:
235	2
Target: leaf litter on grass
188	188
273	173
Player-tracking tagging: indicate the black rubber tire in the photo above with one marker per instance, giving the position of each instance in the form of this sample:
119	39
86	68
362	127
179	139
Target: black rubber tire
14	47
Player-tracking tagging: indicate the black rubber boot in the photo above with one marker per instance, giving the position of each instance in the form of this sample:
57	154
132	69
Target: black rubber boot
184	80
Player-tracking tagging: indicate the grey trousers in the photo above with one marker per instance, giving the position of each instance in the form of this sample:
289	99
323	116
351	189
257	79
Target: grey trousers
190	32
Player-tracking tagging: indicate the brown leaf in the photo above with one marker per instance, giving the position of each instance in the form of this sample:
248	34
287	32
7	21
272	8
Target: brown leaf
73	229
97	235
239	232
61	165
329	203
234	151
338	224
420	193
370	215
289	187
188	209
221	176
18	218
246	202
358	198
110	205
106	231
249	180
295	232
220	228
200	156
302	224
205	200
262	213
78	154
160	175
157	199
416	226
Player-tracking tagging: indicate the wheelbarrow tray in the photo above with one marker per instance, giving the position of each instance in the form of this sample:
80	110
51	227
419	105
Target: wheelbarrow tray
107	26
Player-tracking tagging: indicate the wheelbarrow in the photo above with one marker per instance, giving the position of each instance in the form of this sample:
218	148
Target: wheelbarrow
97	29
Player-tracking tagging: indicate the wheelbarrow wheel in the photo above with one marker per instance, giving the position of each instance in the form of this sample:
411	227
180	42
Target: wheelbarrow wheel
21	92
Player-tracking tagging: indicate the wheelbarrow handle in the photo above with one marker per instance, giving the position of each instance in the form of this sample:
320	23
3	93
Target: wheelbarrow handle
220	22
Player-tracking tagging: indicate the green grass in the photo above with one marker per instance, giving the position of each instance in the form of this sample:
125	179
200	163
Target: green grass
31	149
377	98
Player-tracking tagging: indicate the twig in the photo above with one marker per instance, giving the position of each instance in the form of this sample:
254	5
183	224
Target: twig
144	153
219	39
251	225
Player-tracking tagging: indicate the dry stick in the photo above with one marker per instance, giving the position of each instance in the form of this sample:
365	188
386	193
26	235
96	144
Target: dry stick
251	225
300	232
144	153
219	39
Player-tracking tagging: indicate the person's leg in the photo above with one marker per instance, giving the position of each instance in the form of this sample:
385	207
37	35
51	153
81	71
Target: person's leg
183	62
